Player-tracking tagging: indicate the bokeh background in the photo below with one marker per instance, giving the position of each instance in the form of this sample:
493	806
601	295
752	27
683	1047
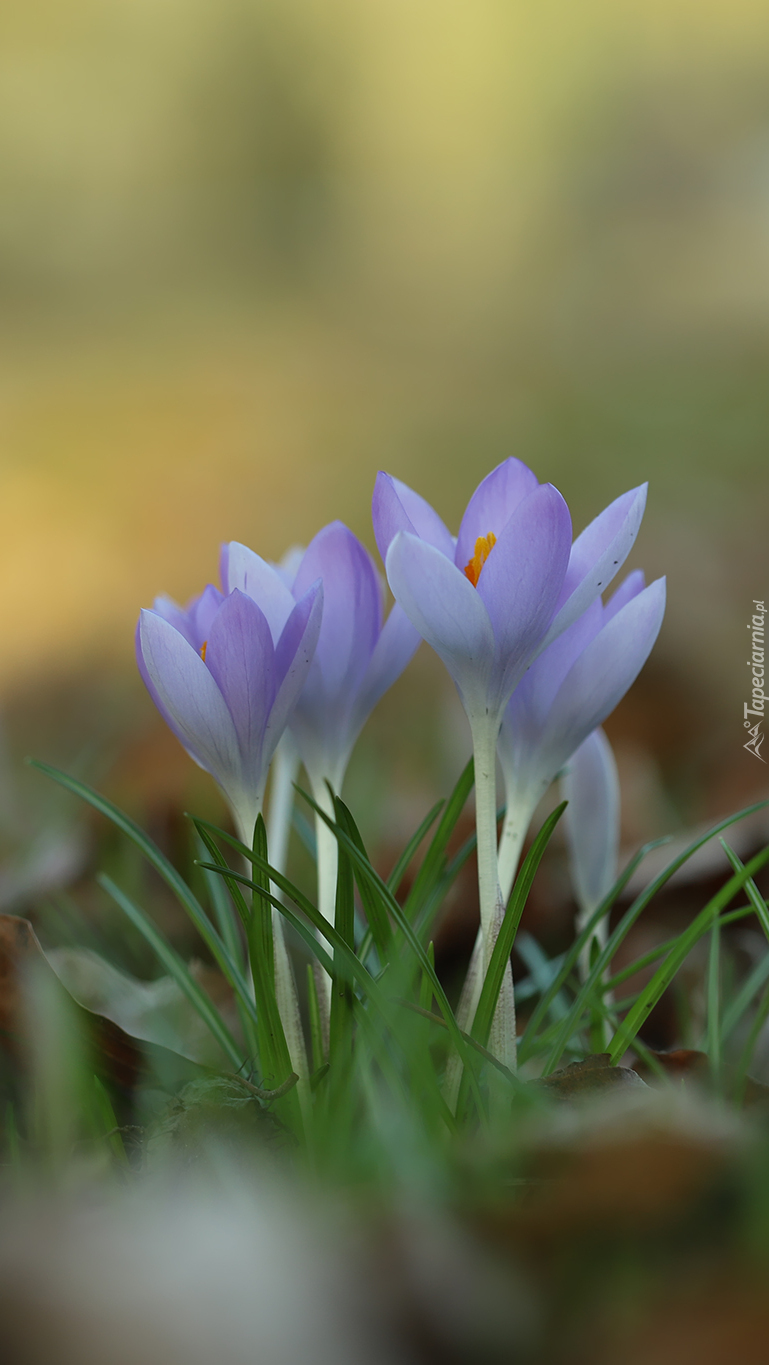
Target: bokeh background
253	250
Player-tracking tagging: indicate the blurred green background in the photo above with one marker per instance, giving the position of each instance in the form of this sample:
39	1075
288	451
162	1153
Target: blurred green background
253	250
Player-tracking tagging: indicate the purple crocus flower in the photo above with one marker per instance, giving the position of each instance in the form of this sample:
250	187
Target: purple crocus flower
226	674
512	581
568	691
358	656
488	604
591	786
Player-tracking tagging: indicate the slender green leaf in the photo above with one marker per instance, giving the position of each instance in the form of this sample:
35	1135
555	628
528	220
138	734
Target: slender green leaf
176	968
598	970
316	1030
714	1002
492	984
402	865
434	860
684	944
754	895
340	1021
408	933
376	911
223	958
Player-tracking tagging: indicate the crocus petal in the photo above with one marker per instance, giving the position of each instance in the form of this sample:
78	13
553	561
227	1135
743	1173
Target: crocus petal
536	691
177	617
591	787
202	612
627	590
242	569
240	658
394	649
446	609
352	607
287	566
492	504
293	656
596	556
603	673
522	577
187	696
396	507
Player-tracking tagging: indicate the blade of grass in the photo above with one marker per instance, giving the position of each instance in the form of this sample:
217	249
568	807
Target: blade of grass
744	997
408	933
340	1022
655	953
746	1056
316	1032
544	1004
404	862
622	929
754	895
376	911
224	960
434	859
684	944
177	969
492	984
273	1049
714	1003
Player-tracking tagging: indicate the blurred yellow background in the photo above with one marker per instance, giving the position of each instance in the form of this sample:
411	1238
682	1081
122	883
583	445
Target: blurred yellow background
253	250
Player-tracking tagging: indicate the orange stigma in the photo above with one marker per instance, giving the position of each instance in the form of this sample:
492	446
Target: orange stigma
203	649
483	548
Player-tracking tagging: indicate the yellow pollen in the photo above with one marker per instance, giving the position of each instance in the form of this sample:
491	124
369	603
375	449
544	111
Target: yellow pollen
483	548
203	649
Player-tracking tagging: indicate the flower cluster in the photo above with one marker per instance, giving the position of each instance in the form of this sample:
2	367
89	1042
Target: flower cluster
513	606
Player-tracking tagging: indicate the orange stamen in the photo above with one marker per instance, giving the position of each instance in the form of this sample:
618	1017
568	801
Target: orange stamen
203	649
483	548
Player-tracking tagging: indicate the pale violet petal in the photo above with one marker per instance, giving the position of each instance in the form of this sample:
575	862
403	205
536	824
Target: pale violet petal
591	787
259	580
596	556
447	611
396	507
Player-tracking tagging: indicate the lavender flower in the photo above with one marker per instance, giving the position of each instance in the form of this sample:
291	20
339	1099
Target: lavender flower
226	676
569	690
511	584
358	656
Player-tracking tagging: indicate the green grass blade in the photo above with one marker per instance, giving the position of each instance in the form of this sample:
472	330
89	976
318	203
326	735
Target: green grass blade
404	862
434	860
316	1028
744	997
410	937
746	1056
487	1004
714	1002
655	954
754	895
273	1049
224	960
177	969
374	906
664	975
340	1021
616	938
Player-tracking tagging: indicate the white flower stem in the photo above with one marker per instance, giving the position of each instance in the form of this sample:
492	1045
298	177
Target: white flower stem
521	803
283	774
502	1040
484	731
